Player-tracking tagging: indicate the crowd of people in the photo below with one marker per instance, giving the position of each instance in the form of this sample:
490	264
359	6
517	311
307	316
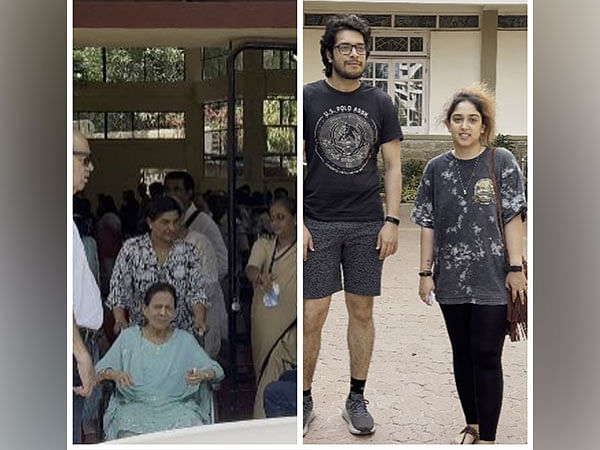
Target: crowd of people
159	268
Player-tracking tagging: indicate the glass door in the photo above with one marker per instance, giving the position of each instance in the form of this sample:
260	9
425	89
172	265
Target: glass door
404	80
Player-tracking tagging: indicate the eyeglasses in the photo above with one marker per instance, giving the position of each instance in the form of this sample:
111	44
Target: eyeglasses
87	158
346	49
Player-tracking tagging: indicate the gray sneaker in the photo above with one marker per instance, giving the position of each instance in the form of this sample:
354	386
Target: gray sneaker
308	413
356	414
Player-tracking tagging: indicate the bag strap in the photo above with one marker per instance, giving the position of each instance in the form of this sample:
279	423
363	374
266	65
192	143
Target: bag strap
273	258
191	219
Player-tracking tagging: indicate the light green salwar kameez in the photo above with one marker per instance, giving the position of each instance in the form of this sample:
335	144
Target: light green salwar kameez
160	398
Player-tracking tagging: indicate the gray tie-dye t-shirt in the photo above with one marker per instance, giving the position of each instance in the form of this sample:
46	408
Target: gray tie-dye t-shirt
469	264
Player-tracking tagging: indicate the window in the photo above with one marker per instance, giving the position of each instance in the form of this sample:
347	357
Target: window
91	124
377	20
171	125
215	138
279	59
374	20
124	65
408	93
145	125
119	125
88	64
130	125
405	44
214	62
401	43
512	21
459	21
149	175
399	66
391	44
279	119
415	21
128	65
311	20
404	80
431	21
164	65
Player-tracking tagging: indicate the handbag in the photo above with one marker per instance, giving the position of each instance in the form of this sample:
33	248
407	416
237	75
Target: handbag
517	311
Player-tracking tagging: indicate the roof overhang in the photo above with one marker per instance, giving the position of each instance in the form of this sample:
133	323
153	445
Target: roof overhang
181	24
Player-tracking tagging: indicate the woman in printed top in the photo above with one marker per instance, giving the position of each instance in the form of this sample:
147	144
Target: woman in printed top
160	256
463	262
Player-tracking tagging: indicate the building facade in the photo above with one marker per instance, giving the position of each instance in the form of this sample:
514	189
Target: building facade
150	91
422	53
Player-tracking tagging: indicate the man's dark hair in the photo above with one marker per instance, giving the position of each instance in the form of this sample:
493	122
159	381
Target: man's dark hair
156	189
280	192
188	180
339	23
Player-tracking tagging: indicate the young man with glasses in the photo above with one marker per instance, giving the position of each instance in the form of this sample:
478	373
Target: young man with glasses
87	303
345	124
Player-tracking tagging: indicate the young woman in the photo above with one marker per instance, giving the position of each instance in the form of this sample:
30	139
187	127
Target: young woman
273	262
463	253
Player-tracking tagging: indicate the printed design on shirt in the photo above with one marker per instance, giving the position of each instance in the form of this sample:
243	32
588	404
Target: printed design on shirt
483	193
345	138
468	247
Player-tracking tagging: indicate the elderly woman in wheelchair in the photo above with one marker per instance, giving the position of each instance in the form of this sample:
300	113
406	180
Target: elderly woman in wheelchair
163	377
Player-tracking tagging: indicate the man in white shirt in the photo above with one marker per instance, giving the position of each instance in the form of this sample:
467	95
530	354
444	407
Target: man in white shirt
87	303
181	185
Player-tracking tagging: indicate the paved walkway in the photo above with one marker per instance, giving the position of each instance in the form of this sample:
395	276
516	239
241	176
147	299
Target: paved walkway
410	385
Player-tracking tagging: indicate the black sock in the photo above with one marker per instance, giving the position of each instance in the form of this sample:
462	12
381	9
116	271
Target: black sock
357	386
307	393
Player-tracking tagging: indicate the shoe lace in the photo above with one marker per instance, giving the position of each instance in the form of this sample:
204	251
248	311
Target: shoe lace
358	406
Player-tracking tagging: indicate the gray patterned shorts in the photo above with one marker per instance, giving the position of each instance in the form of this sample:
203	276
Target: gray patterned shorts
347	247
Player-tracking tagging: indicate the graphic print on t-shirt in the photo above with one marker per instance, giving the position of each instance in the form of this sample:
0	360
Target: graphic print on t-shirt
345	138
483	193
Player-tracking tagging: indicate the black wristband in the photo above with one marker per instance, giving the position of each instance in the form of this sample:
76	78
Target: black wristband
514	269
392	220
426	273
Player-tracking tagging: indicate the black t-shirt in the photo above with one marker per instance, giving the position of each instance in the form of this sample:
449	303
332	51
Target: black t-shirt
342	134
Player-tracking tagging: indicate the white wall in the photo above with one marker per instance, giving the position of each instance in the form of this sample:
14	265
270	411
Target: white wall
312	66
511	83
455	62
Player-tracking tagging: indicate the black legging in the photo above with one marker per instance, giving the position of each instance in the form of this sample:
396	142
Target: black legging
477	336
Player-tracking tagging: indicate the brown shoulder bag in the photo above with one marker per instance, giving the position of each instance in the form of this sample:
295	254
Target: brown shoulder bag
517	311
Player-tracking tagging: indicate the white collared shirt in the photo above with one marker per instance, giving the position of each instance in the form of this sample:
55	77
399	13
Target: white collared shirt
207	226
87	303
